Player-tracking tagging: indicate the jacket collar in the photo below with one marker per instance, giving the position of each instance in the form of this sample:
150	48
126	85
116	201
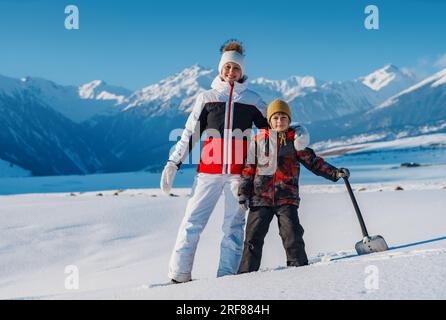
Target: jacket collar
266	133
224	87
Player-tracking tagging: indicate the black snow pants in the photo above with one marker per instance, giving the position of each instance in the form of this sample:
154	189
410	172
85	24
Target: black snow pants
290	231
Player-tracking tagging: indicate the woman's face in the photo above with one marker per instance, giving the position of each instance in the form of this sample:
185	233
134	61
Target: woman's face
231	72
280	122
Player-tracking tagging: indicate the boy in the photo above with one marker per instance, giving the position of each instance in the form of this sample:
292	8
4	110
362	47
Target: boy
270	186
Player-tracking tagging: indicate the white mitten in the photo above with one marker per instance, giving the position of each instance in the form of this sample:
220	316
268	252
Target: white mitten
167	177
301	138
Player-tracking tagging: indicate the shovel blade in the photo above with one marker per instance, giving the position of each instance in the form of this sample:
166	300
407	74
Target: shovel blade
371	244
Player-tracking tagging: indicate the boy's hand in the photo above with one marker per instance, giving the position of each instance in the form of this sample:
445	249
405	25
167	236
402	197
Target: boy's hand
244	204
343	173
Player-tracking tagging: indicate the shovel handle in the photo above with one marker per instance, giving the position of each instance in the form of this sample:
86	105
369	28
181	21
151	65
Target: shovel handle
355	204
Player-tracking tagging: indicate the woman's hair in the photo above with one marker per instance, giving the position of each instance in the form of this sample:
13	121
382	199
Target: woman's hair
232	45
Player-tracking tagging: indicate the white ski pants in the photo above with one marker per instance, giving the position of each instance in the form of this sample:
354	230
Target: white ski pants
206	191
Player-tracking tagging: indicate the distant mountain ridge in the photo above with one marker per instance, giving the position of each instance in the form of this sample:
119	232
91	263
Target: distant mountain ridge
97	127
417	110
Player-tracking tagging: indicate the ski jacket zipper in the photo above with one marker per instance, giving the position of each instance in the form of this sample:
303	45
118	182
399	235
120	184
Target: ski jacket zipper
274	175
229	143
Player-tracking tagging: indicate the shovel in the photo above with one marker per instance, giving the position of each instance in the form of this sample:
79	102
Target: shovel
368	244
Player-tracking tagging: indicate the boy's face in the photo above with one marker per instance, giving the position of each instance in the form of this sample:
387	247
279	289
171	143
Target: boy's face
280	122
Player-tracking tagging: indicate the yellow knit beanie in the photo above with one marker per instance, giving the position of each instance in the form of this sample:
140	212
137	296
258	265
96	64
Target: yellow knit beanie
278	105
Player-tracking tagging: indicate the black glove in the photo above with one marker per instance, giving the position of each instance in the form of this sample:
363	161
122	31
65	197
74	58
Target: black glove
244	204
343	173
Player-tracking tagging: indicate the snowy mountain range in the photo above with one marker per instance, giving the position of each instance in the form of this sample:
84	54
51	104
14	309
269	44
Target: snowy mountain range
336	99
419	109
97	127
76	103
37	138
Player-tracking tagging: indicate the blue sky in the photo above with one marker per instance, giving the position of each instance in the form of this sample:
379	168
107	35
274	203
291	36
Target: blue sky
136	43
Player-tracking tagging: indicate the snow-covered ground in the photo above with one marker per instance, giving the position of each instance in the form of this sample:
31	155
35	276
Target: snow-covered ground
360	144
121	241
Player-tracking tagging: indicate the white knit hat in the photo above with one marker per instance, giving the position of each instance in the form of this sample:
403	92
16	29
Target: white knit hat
232	56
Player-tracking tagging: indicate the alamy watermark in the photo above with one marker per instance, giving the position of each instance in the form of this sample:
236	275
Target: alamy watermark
371	282
72	280
371	22
72	20
234	147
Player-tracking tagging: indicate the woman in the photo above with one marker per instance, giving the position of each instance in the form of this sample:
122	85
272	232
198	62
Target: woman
222	112
270	186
